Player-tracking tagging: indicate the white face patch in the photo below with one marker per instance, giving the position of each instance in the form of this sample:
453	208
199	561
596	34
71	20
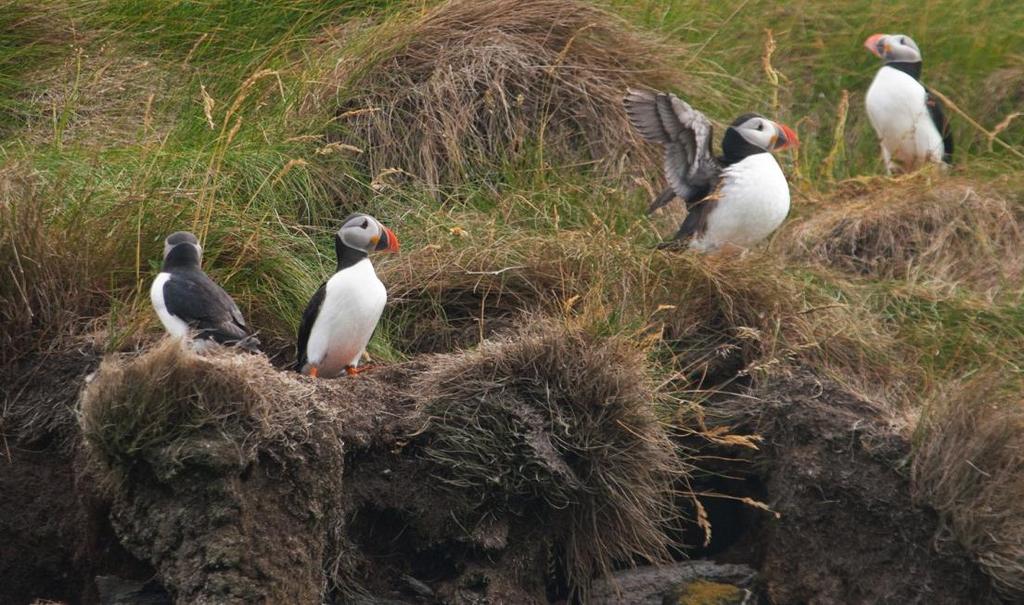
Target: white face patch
361	232
899	47
759	132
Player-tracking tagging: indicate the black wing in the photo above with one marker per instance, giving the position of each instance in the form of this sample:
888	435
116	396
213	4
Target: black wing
308	317
207	308
942	124
691	169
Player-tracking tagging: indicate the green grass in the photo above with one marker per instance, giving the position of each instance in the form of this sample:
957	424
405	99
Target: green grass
251	177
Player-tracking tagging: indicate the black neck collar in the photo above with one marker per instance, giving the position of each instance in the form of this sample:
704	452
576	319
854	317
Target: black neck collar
346	256
182	256
912	69
736	148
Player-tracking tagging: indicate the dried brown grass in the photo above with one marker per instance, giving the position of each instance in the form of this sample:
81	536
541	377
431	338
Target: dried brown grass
472	84
918	229
99	98
47	286
555	422
720	318
156	408
968	467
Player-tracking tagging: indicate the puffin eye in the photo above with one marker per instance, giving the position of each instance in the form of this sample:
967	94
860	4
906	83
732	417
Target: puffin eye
903	41
365	223
760	125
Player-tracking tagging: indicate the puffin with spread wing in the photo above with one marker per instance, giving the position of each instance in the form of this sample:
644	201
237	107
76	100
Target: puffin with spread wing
737	199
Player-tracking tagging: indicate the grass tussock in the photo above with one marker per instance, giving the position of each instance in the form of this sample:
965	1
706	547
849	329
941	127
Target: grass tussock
47	286
473	84
754	316
554	422
968	468
916	229
717	318
160	407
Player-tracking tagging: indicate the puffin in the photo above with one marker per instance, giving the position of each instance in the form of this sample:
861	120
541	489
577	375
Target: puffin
909	121
189	303
732	201
344	311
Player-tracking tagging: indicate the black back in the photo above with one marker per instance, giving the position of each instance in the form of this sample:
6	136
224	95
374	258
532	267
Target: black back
942	124
194	298
306	326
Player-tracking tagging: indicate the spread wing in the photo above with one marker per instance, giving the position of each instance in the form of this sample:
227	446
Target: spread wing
942	124
691	169
306	326
207	308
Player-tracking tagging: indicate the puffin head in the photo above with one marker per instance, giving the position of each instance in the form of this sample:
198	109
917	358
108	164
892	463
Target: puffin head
893	48
751	133
181	248
364	233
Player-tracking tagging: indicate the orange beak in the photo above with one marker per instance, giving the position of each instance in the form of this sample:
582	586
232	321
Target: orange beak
876	45
389	242
785	138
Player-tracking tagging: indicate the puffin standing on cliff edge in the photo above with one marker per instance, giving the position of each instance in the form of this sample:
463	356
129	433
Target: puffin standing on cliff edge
343	313
737	199
909	121
189	303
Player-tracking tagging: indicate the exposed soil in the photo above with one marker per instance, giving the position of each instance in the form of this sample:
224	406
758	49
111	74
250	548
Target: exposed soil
832	466
835	470
55	533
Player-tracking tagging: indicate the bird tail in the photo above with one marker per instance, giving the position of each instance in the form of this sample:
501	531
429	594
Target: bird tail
665	197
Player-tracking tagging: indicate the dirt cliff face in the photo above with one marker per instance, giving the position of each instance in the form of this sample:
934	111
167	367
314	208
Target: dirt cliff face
283	489
835	470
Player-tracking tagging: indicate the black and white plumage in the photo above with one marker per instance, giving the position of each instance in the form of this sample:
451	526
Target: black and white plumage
737	199
344	311
908	119
189	303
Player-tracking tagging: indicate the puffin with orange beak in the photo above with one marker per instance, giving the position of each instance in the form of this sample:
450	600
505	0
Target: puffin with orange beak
737	199
343	313
909	121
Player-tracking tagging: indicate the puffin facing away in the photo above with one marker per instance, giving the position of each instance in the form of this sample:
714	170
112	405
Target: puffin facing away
909	121
190	303
342	315
737	199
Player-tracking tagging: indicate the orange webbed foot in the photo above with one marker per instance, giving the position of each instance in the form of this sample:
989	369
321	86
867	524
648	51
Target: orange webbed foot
313	372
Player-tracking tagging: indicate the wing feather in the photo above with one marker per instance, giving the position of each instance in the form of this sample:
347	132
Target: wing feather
691	168
306	326
942	124
207	308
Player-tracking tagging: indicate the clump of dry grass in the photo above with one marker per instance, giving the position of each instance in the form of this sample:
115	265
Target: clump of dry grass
968	467
47	269
916	229
754	316
720	317
471	84
559	423
156	407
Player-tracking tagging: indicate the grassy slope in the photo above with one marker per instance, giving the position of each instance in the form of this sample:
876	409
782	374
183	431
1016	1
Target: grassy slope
132	122
120	123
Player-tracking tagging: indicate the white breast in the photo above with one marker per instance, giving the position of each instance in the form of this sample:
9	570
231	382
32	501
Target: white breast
173	325
353	302
753	202
896	106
